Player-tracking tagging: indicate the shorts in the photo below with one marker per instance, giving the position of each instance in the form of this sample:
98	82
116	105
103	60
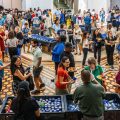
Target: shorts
37	71
77	41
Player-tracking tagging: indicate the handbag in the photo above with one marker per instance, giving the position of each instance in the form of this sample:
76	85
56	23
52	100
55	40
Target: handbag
31	82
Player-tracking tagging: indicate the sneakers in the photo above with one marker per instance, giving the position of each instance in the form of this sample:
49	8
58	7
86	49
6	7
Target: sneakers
35	92
42	86
112	67
52	80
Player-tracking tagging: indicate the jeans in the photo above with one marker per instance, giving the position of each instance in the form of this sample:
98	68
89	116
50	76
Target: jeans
85	52
71	39
110	53
97	50
88	28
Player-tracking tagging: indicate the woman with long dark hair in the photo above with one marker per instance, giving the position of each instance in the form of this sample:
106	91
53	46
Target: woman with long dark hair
23	105
110	47
97	39
18	73
63	79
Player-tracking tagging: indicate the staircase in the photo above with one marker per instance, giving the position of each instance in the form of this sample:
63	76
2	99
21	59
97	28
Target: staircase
61	4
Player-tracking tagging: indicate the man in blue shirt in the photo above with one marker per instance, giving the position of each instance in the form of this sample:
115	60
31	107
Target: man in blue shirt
87	21
57	51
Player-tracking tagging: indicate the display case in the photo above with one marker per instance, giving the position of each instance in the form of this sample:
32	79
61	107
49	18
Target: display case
50	106
111	104
63	107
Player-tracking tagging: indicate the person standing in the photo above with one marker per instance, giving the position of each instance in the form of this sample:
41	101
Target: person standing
62	31
63	79
57	51
37	67
90	98
12	43
87	21
110	47
68	53
85	44
2	45
56	25
23	105
96	71
97	40
78	39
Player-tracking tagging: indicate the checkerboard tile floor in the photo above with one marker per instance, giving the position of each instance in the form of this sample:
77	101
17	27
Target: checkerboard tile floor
48	74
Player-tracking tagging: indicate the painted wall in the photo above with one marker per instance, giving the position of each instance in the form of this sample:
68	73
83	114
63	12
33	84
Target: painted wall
98	4
43	4
11	3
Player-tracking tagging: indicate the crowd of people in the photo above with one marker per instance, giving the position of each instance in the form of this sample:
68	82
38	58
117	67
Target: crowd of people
81	33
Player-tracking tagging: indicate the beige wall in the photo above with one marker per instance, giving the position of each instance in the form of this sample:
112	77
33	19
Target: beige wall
11	3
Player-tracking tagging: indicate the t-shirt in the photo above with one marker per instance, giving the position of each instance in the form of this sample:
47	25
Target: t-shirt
37	53
28	108
62	73
56	28
86	41
61	32
90	98
36	22
12	42
98	71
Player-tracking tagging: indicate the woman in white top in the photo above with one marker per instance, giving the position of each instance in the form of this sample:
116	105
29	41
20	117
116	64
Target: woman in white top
12	43
78	38
85	43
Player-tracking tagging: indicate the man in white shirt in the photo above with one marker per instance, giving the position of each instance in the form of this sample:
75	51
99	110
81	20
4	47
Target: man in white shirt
37	67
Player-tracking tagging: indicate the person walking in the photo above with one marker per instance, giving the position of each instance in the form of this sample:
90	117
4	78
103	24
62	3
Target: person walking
37	67
85	44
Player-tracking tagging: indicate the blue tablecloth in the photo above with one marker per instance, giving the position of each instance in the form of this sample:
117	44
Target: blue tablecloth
43	38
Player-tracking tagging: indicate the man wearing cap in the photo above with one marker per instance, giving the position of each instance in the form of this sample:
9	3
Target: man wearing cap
68	53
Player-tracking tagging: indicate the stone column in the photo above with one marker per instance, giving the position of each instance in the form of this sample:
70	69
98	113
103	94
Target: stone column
76	4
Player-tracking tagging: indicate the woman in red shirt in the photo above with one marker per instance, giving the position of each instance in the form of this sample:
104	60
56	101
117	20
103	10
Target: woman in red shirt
2	46
63	79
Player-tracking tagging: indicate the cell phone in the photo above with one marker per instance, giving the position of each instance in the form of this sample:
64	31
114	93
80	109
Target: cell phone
74	78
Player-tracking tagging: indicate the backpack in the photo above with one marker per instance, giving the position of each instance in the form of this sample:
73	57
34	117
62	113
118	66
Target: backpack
118	78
